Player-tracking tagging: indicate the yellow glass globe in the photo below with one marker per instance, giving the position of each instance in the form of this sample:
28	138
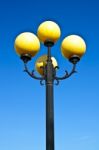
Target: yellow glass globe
49	31
42	61
73	45
27	43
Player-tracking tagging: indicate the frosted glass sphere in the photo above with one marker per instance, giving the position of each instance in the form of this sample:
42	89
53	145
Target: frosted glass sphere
73	45
42	61
48	31
27	43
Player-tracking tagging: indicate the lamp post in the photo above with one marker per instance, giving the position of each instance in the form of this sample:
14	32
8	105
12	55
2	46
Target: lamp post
27	46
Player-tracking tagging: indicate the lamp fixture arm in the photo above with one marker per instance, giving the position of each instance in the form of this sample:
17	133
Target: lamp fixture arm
67	75
31	74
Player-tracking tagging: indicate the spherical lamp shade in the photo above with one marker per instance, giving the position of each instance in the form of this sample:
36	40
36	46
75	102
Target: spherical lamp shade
49	31
42	61
27	43
73	45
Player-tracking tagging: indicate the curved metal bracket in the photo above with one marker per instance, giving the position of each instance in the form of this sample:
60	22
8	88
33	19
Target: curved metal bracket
67	75
32	73
57	82
41	82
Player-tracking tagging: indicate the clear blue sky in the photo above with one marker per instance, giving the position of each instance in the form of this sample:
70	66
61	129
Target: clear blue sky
22	99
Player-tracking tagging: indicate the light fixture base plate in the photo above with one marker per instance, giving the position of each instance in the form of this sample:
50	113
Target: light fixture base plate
26	57
49	43
74	59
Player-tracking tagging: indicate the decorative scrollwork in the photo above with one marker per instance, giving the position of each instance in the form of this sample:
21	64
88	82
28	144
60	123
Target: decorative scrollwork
41	82
67	75
32	73
57	82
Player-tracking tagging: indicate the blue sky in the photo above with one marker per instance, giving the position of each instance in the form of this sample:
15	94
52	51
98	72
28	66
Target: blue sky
22	99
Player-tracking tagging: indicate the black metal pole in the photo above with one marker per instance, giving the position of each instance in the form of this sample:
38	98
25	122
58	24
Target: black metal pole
49	76
49	105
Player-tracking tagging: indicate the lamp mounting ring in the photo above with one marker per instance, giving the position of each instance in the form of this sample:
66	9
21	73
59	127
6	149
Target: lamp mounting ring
25	57
74	59
49	43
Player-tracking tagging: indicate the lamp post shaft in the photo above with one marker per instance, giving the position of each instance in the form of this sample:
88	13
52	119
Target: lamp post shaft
49	105
49	118
49	76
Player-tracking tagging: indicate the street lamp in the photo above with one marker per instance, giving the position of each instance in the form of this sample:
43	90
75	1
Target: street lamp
27	45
